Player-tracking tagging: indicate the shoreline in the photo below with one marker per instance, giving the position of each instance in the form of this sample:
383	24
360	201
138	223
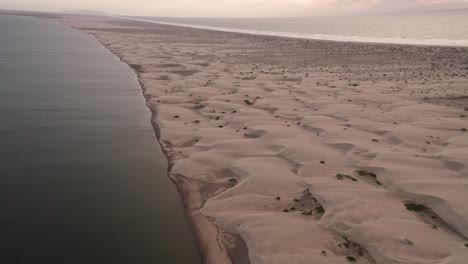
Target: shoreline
313	37
200	225
220	186
140	237
275	34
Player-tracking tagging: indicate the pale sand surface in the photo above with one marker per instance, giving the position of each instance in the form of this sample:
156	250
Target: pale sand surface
245	119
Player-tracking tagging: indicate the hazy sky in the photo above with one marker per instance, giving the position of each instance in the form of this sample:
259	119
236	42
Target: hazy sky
237	8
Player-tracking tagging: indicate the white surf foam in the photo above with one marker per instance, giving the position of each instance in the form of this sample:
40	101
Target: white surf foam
388	40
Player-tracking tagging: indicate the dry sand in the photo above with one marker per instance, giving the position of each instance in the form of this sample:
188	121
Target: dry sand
264	136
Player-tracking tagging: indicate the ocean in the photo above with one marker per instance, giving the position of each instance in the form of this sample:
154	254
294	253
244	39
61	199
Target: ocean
449	27
82	177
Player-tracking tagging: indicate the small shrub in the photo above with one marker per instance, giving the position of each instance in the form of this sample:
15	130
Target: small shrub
286	210
361	173
351	259
319	209
415	207
466	245
322	162
351	178
340	176
296	200
365	173
375	140
324	252
378	182
278	198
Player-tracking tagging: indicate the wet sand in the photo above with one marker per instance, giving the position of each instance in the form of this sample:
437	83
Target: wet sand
303	151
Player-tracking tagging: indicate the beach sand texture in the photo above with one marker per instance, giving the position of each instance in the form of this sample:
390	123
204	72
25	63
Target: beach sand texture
306	151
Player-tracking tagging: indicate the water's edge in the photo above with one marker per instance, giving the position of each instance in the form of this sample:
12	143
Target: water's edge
321	37
188	194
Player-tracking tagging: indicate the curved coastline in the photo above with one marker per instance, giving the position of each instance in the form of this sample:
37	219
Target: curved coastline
205	231
102	142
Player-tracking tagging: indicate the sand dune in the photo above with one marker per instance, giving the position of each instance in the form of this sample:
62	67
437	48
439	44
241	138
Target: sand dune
310	151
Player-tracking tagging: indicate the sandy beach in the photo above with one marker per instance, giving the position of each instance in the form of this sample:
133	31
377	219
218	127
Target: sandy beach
302	151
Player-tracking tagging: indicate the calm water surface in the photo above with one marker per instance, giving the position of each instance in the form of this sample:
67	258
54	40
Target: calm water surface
82	178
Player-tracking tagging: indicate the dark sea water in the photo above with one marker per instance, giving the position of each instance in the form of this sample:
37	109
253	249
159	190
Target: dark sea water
448	27
82	178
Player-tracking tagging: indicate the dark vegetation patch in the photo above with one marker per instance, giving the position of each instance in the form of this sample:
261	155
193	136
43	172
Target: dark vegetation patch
369	175
365	173
307	205
432	219
340	177
415	207
351	251
248	102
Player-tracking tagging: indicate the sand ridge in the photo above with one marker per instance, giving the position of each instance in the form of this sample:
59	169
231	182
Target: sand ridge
310	151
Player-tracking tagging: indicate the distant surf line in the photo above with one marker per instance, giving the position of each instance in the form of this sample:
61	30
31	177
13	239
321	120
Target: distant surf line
326	37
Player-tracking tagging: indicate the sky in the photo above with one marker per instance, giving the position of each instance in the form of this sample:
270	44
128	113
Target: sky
234	8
